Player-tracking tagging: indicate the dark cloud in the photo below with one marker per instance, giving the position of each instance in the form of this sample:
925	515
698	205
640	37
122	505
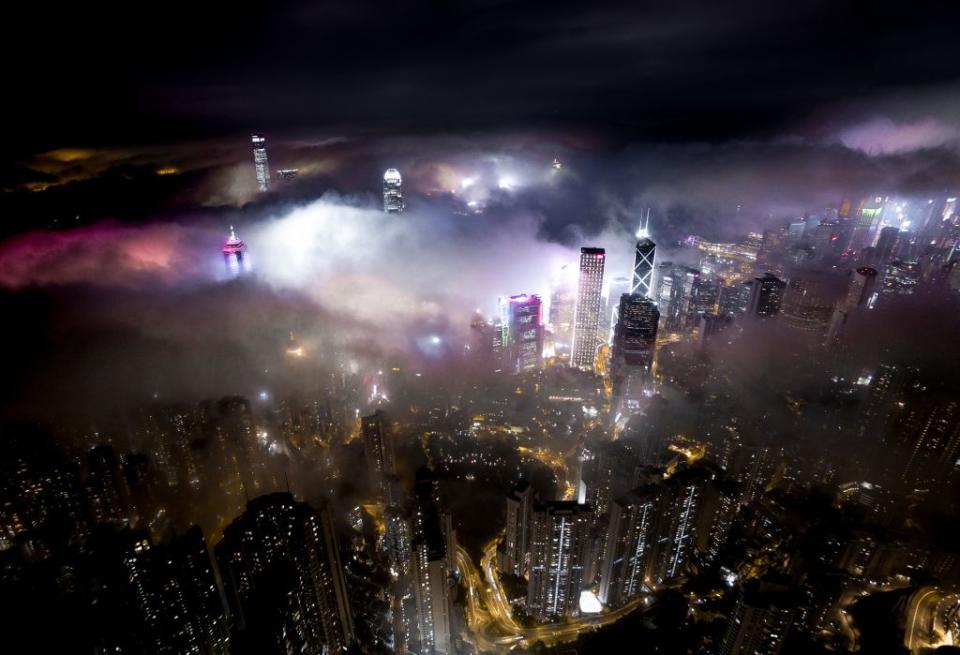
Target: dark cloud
667	71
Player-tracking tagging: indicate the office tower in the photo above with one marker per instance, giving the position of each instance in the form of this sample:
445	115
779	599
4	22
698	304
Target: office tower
861	292
563	304
392	191
643	263
867	223
260	162
557	551
618	287
283	579
631	539
522	325
760	619
634	346
378	448
233	250
766	296
585	338
861	288
515	547
704	298
711	326
434	562
177	594
807	305
734	300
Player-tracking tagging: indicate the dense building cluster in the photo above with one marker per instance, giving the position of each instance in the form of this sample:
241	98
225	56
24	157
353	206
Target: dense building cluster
702	445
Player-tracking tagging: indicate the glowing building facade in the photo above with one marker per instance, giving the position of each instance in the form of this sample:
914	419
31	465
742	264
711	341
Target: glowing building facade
392	191
260	162
521	320
233	250
587	320
557	553
631	539
643	264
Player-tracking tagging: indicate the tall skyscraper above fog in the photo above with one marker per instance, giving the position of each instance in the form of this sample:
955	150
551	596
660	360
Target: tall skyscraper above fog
392	191
634	345
587	319
521	319
643	264
233	250
260	162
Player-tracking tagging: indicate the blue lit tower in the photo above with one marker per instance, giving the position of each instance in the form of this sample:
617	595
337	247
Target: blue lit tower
392	191
260	162
644	261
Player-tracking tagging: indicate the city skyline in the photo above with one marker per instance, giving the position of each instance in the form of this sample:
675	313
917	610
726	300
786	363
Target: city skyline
552	330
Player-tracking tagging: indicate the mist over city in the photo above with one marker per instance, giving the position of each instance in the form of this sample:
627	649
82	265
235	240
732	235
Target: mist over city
481	327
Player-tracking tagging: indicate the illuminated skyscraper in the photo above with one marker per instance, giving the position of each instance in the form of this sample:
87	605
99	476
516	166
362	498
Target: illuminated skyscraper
260	162
557	553
434	561
522	329
233	250
634	345
392	191
515	547
644	261
563	304
631	539
588	307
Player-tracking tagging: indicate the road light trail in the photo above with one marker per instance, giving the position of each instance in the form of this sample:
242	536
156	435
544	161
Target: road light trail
491	621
